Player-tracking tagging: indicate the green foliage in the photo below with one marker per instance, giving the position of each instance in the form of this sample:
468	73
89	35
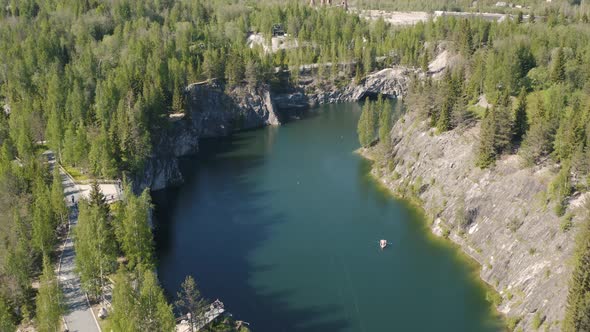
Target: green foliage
44	220
557	74
133	230
493	297
189	299
385	122
376	120
58	204
561	188
6	319
521	123
139	303
49	300
577	317
95	246
514	224
365	127
537	320
487	136
511	322
566	223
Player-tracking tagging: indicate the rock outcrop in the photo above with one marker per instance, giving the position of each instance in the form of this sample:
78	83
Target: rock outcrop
213	111
500	216
210	112
392	82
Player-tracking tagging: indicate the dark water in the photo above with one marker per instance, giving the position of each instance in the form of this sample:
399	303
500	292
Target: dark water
282	224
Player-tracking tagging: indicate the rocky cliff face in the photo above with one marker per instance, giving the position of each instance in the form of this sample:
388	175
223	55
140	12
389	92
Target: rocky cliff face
500	216
391	82
210	112
213	112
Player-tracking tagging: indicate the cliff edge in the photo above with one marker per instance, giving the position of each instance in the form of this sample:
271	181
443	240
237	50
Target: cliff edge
500	216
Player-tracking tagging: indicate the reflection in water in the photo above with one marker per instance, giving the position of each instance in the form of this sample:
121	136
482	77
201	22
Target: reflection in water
282	224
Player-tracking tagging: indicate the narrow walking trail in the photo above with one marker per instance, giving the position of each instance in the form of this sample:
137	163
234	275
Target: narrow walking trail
78	315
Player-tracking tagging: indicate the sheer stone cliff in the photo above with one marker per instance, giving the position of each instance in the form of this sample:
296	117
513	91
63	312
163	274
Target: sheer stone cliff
500	216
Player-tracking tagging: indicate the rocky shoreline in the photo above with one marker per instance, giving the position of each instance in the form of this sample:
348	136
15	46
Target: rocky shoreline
500	216
213	111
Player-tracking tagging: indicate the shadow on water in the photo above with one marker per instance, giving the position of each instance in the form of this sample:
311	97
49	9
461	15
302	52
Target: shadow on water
216	257
284	230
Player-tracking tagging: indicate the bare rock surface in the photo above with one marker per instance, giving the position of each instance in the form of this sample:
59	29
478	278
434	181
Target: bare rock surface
211	111
500	216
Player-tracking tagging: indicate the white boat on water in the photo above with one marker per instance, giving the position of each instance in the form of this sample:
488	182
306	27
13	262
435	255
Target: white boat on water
383	244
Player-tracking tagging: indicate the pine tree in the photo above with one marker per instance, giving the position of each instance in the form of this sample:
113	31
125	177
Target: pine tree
155	314
189	299
444	118
125	316
385	122
54	104
466	38
6	319
234	70
425	61
18	263
177	100
252	74
95	247
558	66
210	66
578	306
58	203
97	199
521	124
49	300
487	136
368	59
44	225
139	303
133	230
503	123
365	125
54	131
80	145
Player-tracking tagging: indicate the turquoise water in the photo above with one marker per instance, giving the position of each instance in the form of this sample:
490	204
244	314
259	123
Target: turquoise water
282	224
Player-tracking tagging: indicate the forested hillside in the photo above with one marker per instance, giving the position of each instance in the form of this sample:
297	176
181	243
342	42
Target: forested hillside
96	81
537	6
527	84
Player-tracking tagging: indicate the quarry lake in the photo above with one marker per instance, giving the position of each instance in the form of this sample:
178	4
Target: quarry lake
283	225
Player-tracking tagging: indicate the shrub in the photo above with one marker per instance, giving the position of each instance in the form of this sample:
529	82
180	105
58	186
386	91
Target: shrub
493	297
514	224
566	223
537	320
512	322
